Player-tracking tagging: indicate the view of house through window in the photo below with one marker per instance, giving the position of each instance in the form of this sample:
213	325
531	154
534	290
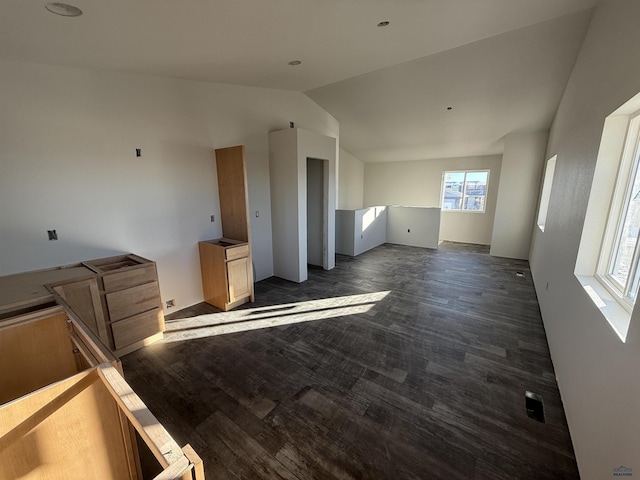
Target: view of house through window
465	190
618	265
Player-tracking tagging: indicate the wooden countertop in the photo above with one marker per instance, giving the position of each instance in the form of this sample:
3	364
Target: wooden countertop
28	288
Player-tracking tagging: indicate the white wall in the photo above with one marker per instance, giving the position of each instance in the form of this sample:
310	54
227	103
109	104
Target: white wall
360	230
419	183
289	150
346	232
67	143
415	226
350	182
286	203
597	373
522	164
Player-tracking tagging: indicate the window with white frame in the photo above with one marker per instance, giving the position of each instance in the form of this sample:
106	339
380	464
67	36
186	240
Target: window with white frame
465	190
546	192
619	255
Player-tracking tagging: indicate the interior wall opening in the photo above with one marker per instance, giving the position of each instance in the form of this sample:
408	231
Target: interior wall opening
317	211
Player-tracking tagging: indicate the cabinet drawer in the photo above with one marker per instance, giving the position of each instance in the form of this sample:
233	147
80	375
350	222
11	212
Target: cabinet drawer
237	252
136	328
125	303
129	278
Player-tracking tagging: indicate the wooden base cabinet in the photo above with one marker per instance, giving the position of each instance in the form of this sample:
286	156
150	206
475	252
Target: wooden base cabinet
227	273
120	303
67	412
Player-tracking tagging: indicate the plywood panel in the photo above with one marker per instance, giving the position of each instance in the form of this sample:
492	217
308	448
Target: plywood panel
84	299
29	286
125	303
213	270
234	200
70	430
34	354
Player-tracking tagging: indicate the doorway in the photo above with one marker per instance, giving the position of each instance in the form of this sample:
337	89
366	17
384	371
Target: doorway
317	212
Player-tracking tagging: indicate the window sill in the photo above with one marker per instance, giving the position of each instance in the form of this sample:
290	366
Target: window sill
451	210
617	316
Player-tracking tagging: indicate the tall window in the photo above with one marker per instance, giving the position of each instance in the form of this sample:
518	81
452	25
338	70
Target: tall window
465	190
546	192
618	264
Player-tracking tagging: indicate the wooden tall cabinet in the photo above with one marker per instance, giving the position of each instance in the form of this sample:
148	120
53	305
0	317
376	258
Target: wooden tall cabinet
225	263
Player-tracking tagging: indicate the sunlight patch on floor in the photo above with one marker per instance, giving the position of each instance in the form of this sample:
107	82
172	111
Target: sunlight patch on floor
272	316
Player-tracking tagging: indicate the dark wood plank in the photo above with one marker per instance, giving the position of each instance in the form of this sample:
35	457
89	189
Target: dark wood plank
426	382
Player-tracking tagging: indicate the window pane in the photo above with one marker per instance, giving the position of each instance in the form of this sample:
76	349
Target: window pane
475	191
453	189
627	236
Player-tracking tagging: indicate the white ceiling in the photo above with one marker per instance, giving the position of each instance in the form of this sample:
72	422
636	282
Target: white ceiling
502	64
508	83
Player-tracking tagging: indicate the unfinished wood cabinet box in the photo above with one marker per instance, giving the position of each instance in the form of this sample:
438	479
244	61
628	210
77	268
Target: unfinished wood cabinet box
80	427
227	278
43	347
66	412
120	302
225	263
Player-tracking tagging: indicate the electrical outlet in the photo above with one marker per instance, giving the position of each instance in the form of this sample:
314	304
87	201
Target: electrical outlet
171	303
213	218
138	152
52	234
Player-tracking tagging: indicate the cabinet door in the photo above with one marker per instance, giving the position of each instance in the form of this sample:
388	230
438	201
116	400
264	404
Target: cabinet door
238	276
83	297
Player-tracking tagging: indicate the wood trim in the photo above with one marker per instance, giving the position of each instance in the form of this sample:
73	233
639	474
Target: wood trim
196	461
163	447
130	447
32	316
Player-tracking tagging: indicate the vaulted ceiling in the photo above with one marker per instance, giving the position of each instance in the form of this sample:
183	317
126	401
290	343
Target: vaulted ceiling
501	65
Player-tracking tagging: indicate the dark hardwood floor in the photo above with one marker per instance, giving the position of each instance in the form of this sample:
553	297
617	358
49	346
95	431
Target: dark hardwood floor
426	381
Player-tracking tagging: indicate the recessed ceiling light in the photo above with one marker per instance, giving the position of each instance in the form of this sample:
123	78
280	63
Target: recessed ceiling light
63	9
293	63
383	24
